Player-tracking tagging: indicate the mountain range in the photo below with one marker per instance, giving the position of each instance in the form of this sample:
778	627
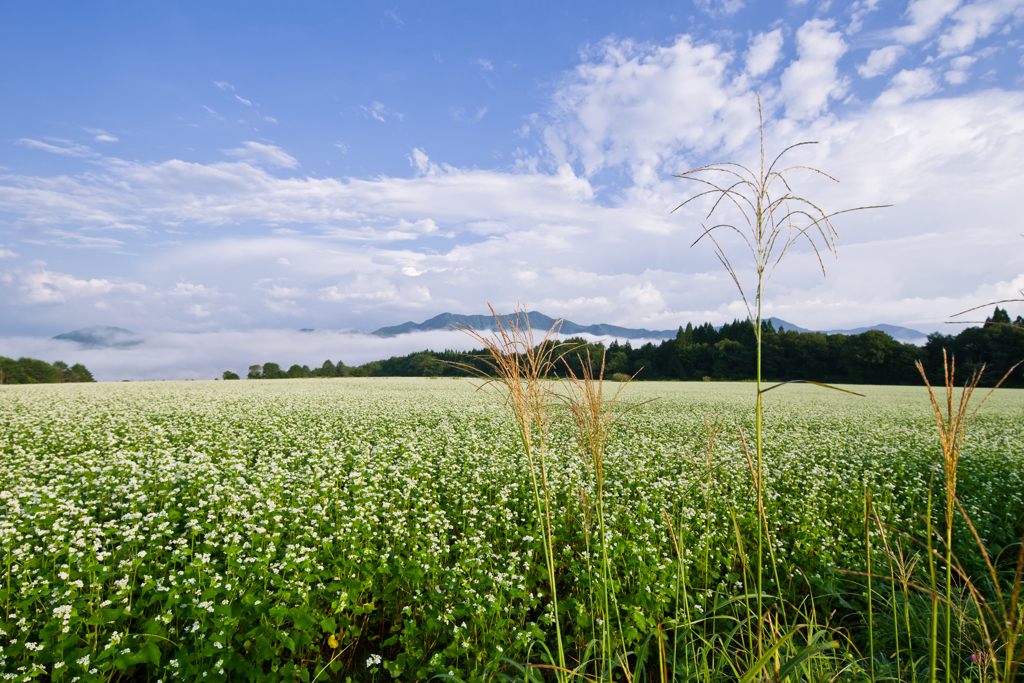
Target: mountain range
104	336
542	323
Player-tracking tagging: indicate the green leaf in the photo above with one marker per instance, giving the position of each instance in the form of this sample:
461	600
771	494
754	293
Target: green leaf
150	653
302	620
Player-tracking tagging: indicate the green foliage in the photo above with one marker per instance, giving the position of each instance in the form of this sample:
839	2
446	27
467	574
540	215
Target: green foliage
230	375
728	354
33	371
235	528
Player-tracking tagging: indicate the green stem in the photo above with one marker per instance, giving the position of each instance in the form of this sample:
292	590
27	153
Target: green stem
949	586
933	646
760	502
871	613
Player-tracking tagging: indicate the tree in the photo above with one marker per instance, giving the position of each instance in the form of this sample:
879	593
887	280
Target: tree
79	373
999	317
255	372
272	371
230	375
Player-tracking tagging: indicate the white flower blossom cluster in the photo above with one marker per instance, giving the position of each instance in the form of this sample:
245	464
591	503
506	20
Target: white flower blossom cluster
175	525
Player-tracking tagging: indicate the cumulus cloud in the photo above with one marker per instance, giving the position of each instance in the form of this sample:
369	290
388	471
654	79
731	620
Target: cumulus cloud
639	104
908	85
764	51
187	289
957	74
36	285
259	153
7	253
880	61
812	80
977	20
925	17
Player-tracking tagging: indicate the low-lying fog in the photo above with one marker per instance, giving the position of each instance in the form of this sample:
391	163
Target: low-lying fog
206	355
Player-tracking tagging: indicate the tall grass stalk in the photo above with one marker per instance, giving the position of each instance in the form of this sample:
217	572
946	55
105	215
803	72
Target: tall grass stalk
953	417
593	417
520	364
771	219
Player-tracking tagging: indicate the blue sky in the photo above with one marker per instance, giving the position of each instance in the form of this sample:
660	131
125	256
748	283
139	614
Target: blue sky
217	168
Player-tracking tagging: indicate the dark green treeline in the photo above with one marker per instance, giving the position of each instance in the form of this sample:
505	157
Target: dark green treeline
729	353
32	371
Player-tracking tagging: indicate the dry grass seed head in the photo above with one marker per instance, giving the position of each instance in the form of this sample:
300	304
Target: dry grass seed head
520	365
774	218
954	417
592	416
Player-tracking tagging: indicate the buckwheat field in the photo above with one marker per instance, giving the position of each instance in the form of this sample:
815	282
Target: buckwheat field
380	528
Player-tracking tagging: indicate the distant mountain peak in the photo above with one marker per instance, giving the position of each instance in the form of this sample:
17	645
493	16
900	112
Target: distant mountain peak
102	336
538	321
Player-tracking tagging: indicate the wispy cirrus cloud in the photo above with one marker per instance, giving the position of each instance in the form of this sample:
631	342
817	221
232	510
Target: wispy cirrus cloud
59	146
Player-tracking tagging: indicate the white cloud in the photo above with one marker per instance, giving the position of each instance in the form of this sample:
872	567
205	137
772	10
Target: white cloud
859	10
378	111
7	253
809	82
342	146
36	285
274	290
484	64
957	74
224	85
258	153
925	17
587	227
243	101
880	61
977	20
393	17
764	51
59	146
187	289
101	135
198	311
212	113
640	105
908	85
719	8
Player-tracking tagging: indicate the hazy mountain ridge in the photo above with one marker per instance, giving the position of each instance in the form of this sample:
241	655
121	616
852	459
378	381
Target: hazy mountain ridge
542	323
102	336
538	321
